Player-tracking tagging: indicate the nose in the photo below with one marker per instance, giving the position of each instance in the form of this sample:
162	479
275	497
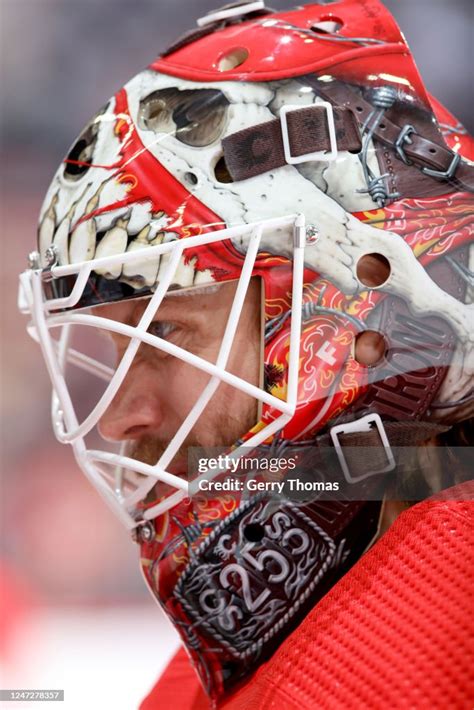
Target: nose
135	410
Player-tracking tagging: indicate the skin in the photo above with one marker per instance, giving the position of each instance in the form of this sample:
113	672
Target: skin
160	390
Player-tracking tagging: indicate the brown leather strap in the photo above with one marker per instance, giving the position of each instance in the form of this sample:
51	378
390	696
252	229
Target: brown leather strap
400	434
431	157
258	149
409	433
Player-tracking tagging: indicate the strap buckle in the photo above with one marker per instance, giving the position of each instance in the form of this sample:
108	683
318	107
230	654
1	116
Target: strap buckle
318	155
365	424
404	137
447	174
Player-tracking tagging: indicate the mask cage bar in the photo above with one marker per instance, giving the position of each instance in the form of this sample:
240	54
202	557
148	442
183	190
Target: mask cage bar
75	357
66	426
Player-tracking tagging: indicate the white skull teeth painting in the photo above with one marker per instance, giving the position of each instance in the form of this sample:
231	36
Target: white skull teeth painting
114	234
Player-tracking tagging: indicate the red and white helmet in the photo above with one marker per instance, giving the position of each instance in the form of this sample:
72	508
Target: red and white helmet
302	148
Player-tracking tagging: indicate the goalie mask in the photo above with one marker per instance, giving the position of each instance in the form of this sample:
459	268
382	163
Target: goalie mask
291	166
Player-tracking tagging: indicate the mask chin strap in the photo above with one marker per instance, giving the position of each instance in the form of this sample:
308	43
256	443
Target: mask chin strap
352	439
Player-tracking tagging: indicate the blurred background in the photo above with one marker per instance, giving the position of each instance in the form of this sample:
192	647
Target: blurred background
74	611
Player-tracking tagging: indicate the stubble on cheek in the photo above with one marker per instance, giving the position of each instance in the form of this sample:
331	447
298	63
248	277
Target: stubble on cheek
220	425
222	429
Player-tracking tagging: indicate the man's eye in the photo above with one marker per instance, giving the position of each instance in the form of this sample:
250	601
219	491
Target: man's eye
161	329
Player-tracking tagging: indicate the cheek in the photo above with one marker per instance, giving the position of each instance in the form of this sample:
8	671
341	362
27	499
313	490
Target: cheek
181	384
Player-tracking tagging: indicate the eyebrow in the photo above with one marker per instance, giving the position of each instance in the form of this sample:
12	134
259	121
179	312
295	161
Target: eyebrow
166	309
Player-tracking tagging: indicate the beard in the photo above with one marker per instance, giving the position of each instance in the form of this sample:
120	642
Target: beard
222	428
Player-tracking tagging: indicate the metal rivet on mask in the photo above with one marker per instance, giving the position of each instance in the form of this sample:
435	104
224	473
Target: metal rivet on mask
51	255
384	96
146	532
34	260
312	234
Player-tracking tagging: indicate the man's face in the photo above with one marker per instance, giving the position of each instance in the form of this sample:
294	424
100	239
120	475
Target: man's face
160	390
